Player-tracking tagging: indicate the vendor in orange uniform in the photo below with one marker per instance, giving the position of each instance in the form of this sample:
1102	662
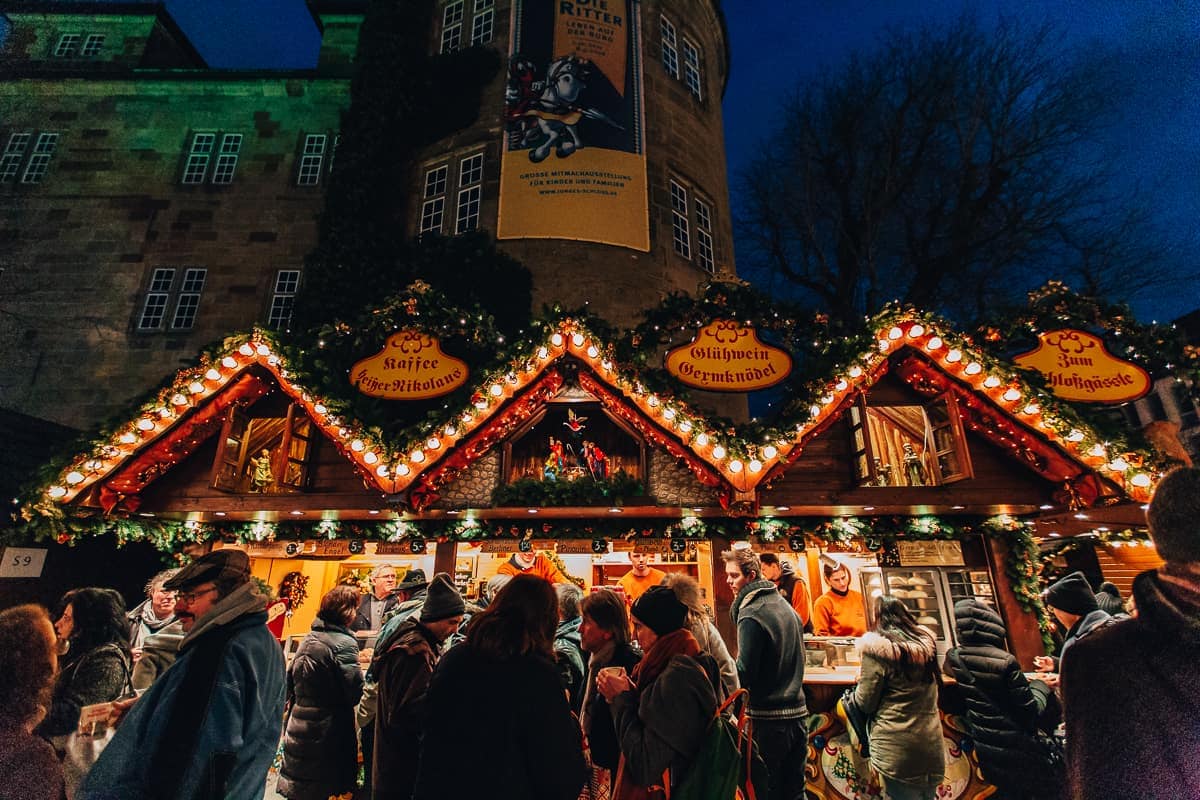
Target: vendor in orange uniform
640	578
840	611
532	563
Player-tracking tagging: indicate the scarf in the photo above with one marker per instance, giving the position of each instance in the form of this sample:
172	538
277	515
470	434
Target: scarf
647	671
599	659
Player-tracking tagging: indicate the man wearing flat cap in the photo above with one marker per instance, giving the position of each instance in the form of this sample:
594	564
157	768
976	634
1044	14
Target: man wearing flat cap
403	671
209	726
1131	702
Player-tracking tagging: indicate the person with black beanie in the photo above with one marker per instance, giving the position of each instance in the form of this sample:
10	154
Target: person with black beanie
1072	602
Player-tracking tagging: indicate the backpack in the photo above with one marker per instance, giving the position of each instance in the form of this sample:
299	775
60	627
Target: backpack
727	766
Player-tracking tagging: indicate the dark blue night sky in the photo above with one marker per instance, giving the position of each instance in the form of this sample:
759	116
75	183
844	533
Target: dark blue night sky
1150	44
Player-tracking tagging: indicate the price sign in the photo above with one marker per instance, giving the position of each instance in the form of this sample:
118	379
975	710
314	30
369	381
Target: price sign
574	547
23	562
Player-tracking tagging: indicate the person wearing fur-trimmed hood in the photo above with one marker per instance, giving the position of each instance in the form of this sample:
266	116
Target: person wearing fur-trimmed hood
898	690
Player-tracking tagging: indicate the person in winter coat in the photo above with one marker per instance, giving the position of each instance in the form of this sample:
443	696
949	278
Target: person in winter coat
604	634
158	652
1003	709
770	666
324	682
1072	602
664	710
568	649
29	768
209	726
701	625
97	666
898	690
153	614
1131	703
535	749
404	672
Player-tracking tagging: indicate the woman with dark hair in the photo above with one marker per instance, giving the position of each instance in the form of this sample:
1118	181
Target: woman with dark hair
605	637
324	683
29	768
96	665
898	692
505	664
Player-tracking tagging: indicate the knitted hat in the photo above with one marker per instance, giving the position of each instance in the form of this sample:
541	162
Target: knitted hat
1173	515
660	610
1071	594
220	564
442	601
413	579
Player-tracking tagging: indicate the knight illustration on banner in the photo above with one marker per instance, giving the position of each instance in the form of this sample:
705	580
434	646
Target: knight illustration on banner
544	115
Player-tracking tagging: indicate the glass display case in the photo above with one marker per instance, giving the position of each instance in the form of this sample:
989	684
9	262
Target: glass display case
970	584
923	592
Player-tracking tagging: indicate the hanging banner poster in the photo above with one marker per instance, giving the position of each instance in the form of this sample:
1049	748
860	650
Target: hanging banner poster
574	162
1079	367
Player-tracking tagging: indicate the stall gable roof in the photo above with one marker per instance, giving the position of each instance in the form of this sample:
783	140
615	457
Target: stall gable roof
670	423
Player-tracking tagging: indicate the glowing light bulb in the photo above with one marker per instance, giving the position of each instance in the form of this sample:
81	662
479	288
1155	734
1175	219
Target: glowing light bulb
894	333
718	452
246	350
228	362
916	330
841	385
652	400
1031	409
606	365
974	368
433	443
735	466
1118	464
212	375
128	437
556	340
1140	480
1097	451
1075	435
370	458
417	456
593	351
263	350
320	409
451	430
178	399
990	382
577	339
57	492
755	466
953	356
381	470
74	477
855	371
770	451
496	390
357	445
145	424
702	439
685	426
814	411
934	343
402	470
196	387
668	414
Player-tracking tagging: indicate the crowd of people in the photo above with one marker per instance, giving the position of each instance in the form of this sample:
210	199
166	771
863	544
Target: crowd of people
540	692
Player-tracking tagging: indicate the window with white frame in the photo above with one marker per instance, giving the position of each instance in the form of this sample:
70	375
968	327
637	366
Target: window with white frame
691	69
679	220
470	178
704	236
27	154
200	156
670	47
312	157
190	289
91	45
163	296
452	25
283	298
433	205
68	45
484	22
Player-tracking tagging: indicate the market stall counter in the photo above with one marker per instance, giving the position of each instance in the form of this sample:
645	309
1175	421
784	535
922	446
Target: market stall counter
835	770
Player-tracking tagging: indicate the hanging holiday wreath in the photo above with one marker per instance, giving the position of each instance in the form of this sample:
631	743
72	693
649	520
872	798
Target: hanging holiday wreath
294	589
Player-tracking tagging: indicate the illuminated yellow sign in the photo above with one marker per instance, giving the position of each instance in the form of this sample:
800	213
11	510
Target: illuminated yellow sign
726	356
1079	367
411	366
